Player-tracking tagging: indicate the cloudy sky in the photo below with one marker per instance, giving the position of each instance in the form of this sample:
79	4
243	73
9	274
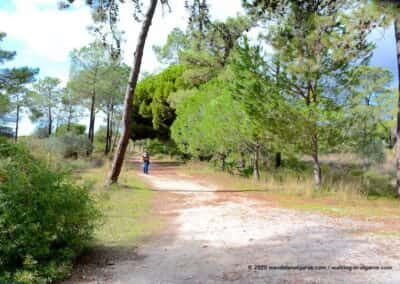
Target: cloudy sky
43	36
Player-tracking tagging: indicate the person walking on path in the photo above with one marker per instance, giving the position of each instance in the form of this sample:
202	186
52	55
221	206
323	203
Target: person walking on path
146	162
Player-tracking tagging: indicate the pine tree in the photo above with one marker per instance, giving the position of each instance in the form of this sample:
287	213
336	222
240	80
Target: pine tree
44	101
317	45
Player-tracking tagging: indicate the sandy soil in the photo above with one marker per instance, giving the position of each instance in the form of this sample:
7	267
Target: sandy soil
225	237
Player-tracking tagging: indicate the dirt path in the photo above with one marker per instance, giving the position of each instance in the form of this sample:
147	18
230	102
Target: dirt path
225	237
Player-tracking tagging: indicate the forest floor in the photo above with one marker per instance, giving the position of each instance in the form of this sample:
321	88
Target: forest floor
213	235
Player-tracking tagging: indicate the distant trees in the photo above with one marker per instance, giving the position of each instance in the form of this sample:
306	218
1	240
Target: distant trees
176	42
70	108
370	111
217	42
198	23
44	101
108	12
86	71
13	87
111	91
391	9
312	93
16	90
318	46
305	88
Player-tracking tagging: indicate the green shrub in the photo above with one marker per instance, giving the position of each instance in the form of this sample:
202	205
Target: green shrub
373	151
69	145
100	137
45	220
156	146
77	129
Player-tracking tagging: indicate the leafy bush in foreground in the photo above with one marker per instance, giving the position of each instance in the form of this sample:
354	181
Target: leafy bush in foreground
45	220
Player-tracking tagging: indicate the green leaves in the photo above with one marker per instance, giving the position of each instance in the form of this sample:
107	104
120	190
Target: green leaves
45	220
45	99
152	102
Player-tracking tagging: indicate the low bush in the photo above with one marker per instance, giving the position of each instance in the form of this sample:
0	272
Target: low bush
156	146
45	219
77	129
69	145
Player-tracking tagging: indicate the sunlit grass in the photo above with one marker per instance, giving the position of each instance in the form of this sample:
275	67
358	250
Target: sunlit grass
126	208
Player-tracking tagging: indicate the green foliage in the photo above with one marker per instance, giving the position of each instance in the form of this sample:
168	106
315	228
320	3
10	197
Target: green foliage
89	67
100	138
13	85
70	107
153	113
369	112
44	101
77	129
208	54
155	146
5	55
210	122
169	53
45	220
69	145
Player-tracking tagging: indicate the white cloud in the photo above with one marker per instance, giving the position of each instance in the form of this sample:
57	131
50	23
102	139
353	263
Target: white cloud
45	30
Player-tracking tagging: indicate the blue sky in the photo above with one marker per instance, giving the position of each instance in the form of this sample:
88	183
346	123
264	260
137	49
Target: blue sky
43	36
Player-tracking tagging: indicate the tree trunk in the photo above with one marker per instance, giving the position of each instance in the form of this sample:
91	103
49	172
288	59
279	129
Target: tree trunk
130	91
108	144
223	157
17	120
69	119
317	166
256	167
278	160
50	121
111	127
242	162
92	118
397	33
278	155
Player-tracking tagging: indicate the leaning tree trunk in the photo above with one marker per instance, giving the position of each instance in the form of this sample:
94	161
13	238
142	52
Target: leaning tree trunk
397	33
130	91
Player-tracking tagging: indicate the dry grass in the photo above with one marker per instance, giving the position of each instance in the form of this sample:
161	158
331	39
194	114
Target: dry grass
338	198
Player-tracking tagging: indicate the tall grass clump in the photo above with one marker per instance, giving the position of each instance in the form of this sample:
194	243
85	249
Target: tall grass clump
45	219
